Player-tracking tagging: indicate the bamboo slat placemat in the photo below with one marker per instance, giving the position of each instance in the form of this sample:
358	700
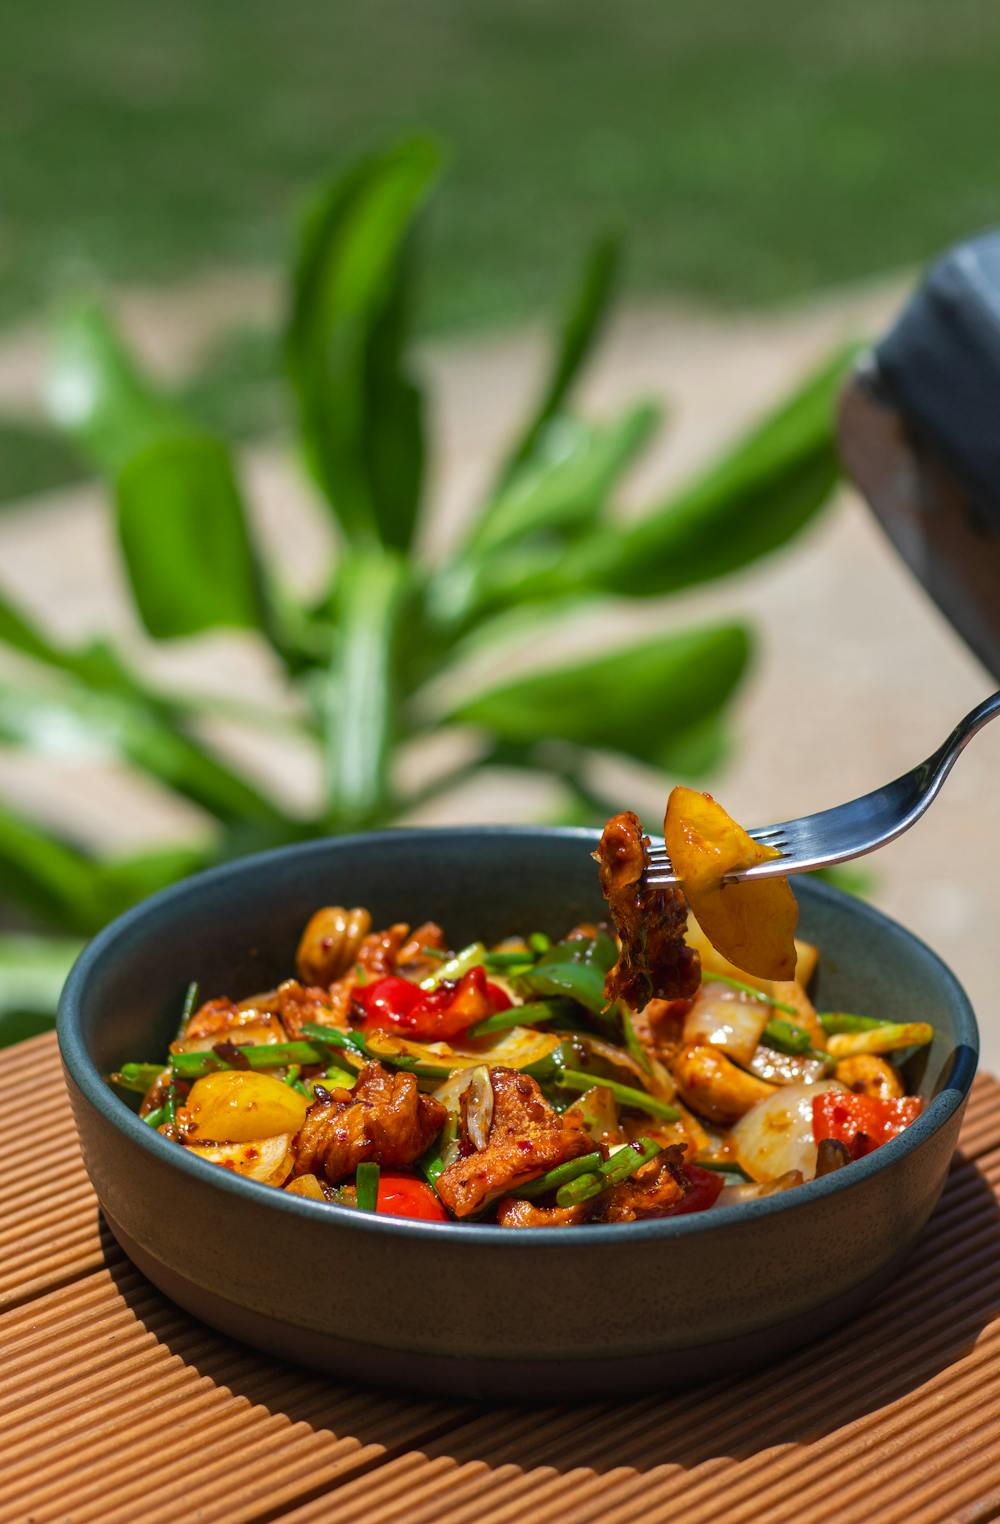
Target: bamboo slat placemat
116	1406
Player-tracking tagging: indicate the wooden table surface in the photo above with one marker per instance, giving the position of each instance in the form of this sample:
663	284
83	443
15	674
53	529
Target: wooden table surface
116	1406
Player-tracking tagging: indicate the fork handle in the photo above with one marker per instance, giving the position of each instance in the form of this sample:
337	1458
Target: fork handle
944	759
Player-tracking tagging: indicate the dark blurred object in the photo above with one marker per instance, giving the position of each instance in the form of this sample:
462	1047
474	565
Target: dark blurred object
919	431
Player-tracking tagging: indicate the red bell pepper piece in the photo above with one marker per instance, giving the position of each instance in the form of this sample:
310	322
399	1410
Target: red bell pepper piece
406	1196
703	1190
396	1005
861	1122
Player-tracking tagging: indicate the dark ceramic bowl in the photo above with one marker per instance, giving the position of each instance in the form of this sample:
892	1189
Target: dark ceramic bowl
476	1310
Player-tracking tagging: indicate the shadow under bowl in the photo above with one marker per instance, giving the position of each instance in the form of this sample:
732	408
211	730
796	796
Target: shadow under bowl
475	1310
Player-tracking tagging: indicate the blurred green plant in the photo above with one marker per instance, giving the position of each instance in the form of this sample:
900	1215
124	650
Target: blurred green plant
365	660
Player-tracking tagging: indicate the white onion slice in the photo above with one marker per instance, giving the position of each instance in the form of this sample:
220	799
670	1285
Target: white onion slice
776	1135
268	1160
479	1107
728	1020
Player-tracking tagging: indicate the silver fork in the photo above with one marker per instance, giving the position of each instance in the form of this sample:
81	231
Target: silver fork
862	825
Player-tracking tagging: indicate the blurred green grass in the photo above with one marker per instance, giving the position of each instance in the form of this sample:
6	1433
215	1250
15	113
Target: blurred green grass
751	152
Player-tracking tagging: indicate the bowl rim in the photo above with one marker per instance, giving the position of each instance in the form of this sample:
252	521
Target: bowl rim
96	1090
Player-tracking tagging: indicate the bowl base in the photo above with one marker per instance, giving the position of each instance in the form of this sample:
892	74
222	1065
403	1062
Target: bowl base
505	1380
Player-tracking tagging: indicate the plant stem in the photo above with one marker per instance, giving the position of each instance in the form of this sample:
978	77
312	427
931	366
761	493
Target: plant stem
361	694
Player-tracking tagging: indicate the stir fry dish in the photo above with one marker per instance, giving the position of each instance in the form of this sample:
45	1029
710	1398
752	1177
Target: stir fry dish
621	1072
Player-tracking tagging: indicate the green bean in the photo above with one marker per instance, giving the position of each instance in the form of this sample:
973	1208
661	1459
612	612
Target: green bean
441	1153
639	1100
190	1001
840	1021
519	959
560	1175
137	1078
156	1118
724	1167
751	989
633	1046
273	1055
623	1163
533	1014
366	1184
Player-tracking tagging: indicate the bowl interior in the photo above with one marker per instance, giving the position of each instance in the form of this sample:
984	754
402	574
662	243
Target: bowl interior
235	931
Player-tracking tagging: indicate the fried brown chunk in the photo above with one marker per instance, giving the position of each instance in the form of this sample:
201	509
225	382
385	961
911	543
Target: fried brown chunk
654	961
526	1138
379	951
525	1214
651	1192
298	1003
384	1119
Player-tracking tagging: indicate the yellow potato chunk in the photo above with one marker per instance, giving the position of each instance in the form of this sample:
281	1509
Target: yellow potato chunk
240	1106
752	924
788	991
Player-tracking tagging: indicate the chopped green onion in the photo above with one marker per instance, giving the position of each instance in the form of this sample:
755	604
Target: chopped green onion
573	1079
633	1046
840	1021
750	989
366	1183
532	1014
137	1078
454	968
787	1037
560	1175
156	1118
623	1163
539	942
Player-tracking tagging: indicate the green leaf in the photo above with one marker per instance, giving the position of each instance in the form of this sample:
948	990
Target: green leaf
567	480
48	876
576	337
361	696
33	971
71	720
641	700
360	413
183	534
96	391
18	632
757	497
